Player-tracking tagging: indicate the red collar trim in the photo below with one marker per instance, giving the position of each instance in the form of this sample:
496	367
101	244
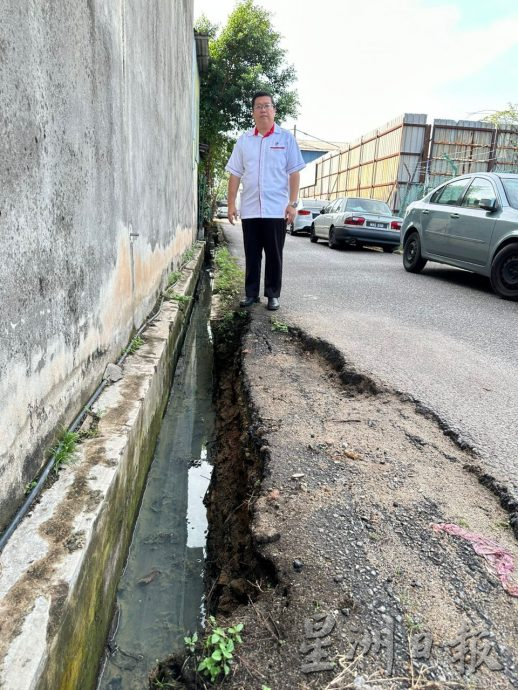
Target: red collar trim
271	131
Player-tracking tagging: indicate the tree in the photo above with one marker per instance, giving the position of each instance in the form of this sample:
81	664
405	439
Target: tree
245	57
503	117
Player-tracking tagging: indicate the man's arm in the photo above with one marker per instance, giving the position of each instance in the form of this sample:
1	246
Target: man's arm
294	183
233	186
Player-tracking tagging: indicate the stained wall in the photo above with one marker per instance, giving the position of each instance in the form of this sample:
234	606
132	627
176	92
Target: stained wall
97	200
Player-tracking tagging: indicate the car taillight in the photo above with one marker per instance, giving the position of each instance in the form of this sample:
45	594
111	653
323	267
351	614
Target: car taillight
303	212
395	225
354	220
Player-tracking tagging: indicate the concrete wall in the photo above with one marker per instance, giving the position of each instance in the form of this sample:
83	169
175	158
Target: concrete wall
97	203
60	570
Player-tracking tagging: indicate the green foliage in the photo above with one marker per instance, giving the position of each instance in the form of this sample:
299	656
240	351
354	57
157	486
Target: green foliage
30	486
188	255
93	432
245	57
135	344
190	642
227	280
219	648
181	299
173	278
64	449
279	326
504	117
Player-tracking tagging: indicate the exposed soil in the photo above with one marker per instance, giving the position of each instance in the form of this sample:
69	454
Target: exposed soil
326	489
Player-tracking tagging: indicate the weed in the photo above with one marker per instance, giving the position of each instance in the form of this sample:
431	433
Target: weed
463	523
228	277
163	684
279	326
188	255
373	536
173	278
412	624
135	344
93	432
30	486
64	449
219	646
190	642
181	299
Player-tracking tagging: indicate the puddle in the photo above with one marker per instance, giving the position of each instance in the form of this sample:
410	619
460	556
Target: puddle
160	595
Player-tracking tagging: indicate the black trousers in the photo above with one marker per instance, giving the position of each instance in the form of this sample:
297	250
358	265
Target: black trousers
268	235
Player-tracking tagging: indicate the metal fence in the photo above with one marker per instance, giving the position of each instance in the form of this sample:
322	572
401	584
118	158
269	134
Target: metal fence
403	160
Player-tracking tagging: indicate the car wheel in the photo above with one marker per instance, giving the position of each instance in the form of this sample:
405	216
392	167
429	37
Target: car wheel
333	244
504	272
388	250
312	236
412	259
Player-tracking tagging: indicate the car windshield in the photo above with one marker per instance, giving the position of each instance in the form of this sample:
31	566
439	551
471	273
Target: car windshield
511	190
368	206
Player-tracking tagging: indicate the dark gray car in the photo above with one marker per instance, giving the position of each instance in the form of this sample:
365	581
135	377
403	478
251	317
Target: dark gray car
470	222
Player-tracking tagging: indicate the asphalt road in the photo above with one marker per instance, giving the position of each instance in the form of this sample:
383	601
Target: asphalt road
441	336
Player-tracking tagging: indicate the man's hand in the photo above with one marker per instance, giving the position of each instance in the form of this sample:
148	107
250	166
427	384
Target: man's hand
232	214
289	214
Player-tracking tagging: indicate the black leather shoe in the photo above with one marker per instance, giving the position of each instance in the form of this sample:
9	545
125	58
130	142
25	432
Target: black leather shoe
248	301
273	304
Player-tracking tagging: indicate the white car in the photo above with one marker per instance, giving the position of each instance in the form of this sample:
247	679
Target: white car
222	211
307	210
358	221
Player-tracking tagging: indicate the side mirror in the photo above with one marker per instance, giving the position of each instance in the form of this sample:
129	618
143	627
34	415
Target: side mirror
487	204
323	210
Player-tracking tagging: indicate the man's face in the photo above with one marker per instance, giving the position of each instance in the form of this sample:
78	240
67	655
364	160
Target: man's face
263	112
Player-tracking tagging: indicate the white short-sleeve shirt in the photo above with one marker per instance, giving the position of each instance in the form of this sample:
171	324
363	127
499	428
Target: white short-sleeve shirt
264	164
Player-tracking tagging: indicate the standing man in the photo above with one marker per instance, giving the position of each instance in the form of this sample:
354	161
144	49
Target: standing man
267	160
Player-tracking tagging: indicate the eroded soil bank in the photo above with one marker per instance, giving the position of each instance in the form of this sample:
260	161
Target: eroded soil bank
341	579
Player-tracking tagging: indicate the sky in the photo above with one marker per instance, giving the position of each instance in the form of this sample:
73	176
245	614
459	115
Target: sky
362	63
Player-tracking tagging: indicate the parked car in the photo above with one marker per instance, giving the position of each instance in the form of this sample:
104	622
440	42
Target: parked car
306	211
222	211
358	221
470	222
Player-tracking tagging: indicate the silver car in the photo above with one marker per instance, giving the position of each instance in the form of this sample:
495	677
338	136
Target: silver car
359	221
470	222
306	211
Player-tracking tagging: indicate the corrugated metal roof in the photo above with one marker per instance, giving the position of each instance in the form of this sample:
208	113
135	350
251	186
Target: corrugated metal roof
202	51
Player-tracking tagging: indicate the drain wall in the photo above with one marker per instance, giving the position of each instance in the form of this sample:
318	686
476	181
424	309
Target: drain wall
59	571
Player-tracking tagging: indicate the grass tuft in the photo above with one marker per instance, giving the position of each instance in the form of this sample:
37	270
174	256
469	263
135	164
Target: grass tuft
64	449
228	278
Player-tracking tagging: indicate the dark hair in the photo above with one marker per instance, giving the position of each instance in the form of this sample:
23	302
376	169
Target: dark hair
259	94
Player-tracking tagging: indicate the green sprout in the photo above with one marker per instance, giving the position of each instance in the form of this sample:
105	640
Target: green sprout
135	344
219	649
279	326
64	449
